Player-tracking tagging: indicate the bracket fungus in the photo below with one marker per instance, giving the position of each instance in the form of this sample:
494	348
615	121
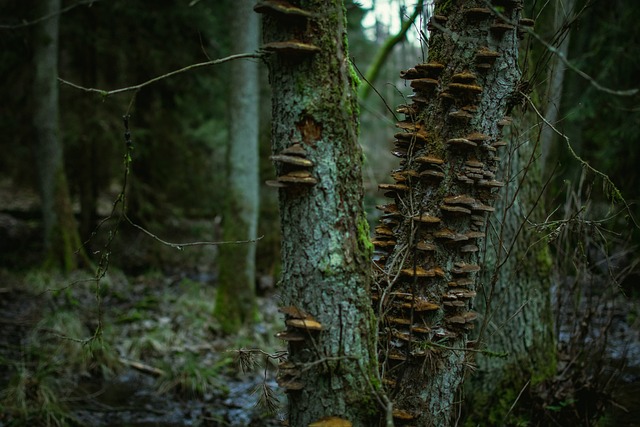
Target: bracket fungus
281	8
293	48
301	177
477	13
427	219
461	142
432	69
308	324
430	160
291	160
425	83
331	422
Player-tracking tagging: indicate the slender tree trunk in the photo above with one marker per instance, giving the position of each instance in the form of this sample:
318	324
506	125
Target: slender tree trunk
236	293
555	76
428	242
61	238
325	283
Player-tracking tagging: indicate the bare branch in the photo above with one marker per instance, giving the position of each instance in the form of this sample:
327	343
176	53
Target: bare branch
554	50
48	16
180	246
106	93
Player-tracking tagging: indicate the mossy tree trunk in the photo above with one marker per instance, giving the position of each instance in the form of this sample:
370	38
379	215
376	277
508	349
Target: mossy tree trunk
514	293
325	283
235	303
61	237
429	238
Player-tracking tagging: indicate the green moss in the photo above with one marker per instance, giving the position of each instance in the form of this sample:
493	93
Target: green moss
364	242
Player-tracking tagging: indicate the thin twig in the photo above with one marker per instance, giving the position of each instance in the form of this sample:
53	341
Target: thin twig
179	246
48	16
106	93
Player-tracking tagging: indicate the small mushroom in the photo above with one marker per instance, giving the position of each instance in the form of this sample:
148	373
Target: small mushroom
461	199
282	8
427	219
295	150
469	249
465	88
464	268
455	209
461	115
477	137
424	83
402	415
331	422
308	324
432	69
477	13
393	187
424	246
475	234
500	28
474	163
430	173
431	160
302	177
461	142
418	272
292	160
464	77
291	48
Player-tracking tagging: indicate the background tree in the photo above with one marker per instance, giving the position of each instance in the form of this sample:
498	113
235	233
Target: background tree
61	239
236	293
325	280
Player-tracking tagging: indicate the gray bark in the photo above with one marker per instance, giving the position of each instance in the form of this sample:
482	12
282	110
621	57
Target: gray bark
236	293
45	120
325	241
61	238
442	192
555	77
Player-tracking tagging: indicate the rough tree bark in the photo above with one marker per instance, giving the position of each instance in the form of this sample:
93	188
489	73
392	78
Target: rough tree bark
61	238
235	303
325	283
428	241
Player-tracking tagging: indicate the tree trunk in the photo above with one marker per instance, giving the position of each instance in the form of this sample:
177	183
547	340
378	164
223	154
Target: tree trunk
428	241
325	283
514	296
236	293
61	238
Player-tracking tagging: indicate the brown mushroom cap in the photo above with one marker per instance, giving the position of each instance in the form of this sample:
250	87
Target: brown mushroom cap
331	422
281	7
291	47
426	218
292	160
308	324
295	150
298	177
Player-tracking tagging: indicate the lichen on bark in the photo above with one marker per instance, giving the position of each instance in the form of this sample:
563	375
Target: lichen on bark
430	235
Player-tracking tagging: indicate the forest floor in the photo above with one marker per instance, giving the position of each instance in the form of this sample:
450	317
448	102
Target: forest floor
142	347
154	358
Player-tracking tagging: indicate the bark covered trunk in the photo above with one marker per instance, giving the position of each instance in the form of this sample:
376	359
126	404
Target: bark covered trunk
236	294
61	238
429	238
325	283
514	298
